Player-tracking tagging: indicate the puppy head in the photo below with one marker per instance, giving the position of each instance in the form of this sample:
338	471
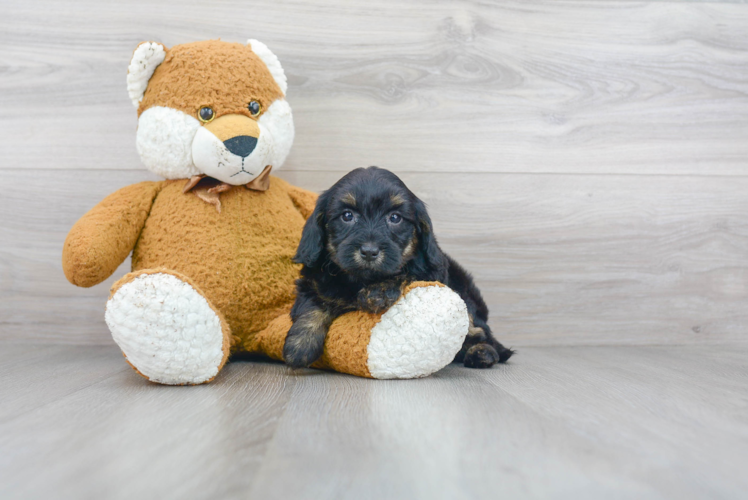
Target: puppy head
369	224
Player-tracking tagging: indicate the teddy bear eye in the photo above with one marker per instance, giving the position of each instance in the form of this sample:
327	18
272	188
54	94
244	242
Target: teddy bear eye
254	108
206	114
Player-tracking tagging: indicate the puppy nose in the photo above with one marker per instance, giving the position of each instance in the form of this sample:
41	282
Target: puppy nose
241	145
369	251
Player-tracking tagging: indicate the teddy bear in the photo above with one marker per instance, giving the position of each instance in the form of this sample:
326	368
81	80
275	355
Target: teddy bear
212	244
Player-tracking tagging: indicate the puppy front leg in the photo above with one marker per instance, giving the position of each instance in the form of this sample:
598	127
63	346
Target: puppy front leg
306	338
379	297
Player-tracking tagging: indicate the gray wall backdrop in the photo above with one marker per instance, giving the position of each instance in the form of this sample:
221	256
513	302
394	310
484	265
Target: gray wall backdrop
588	161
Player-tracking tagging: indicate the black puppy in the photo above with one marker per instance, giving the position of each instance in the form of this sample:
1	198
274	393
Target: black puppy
368	236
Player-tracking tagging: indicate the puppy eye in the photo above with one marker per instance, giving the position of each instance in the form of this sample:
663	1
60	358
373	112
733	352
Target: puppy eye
206	114
254	108
347	216
395	218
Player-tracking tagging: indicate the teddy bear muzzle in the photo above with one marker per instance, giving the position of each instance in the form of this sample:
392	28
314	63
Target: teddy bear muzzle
231	148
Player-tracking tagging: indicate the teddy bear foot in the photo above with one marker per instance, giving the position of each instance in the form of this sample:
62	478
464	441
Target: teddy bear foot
167	330
419	335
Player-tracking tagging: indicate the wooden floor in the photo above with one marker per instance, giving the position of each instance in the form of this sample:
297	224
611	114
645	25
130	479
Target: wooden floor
557	422
587	161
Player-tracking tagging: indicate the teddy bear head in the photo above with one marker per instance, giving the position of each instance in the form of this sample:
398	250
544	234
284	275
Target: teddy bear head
211	107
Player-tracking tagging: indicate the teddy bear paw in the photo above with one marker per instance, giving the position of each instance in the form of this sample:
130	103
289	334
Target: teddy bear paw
166	329
418	335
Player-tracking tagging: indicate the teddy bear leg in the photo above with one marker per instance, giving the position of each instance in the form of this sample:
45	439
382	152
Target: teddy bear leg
167	330
419	335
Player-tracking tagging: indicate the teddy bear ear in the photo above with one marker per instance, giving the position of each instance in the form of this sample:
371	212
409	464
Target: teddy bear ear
144	62
271	61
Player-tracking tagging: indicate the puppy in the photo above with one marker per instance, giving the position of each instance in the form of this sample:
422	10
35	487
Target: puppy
368	236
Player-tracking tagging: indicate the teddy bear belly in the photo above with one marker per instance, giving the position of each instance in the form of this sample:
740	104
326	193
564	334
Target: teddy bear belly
239	258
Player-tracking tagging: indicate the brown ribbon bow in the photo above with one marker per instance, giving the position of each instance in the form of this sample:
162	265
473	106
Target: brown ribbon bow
209	189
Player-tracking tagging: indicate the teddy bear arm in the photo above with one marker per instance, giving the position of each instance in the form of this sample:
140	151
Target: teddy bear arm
103	238
345	345
303	200
417	336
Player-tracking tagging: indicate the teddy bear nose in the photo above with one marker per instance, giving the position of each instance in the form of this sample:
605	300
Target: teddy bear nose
241	145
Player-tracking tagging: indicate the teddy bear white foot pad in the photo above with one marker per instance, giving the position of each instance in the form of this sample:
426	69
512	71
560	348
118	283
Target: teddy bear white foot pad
167	330
418	335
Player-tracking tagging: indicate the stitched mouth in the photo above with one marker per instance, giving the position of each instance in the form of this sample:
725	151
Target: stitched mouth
242	171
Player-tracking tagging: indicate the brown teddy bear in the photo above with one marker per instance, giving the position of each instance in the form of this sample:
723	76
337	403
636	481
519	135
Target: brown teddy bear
212	244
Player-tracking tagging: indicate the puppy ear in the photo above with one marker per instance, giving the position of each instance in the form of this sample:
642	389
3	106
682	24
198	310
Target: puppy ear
426	239
312	241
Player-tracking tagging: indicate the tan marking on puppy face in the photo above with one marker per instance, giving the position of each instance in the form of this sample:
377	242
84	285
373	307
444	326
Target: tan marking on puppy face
397	199
221	75
410	248
358	259
349	199
230	126
360	262
332	251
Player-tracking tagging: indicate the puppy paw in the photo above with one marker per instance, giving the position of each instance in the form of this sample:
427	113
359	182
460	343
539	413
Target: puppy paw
481	356
504	353
302	347
378	297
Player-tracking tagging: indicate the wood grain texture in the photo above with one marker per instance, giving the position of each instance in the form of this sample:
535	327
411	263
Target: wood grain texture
458	86
560	259
644	422
123	437
586	160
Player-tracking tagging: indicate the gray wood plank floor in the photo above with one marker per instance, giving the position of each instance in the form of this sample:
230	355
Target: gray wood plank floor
557	422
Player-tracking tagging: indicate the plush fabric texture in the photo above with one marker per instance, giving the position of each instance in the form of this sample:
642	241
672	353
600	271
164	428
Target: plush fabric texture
209	189
164	141
211	157
103	238
167	330
211	256
271	61
230	76
417	336
277	121
345	345
303	200
420	334
145	59
240	258
173	142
